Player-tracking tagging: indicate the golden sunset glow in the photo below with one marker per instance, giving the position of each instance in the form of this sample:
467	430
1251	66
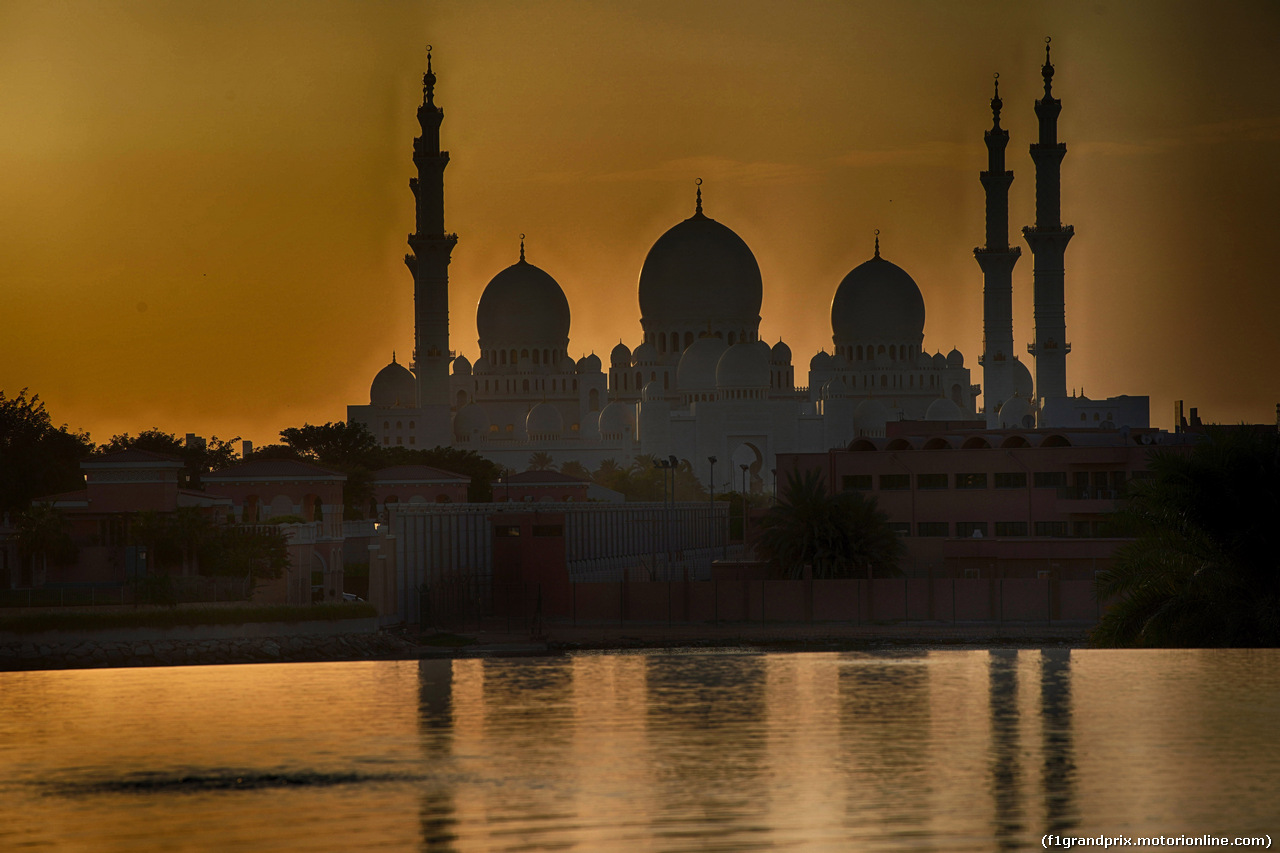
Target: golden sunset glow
203	207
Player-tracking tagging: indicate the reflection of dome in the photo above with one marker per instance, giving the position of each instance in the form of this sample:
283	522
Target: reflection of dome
820	361
943	409
700	271
877	301
697	369
646	353
471	421
743	366
1016	414
589	364
621	356
1023	385
523	305
461	366
544	421
393	386
955	359
617	420
871	416
780	354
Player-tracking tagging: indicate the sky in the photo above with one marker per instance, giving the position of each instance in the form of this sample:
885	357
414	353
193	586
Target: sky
203	207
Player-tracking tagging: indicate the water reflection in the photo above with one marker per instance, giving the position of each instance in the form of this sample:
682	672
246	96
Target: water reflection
436	809
1005	768
1059	768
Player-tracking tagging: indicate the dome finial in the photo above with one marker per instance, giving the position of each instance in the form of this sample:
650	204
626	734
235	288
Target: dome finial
996	104
429	82
522	248
1047	69
877	242
697	211
393	356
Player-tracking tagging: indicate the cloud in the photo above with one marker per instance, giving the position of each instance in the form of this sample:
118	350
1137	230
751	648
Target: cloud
1235	131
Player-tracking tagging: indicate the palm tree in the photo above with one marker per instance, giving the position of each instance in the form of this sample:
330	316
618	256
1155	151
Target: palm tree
541	461
574	468
1204	568
843	535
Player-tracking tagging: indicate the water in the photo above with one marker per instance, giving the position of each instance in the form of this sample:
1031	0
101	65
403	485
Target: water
929	750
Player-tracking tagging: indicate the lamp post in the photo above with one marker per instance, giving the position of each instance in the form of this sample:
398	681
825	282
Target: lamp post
668	464
711	500
744	468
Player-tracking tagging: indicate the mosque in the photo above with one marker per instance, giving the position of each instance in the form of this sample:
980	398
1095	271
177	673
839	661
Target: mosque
701	384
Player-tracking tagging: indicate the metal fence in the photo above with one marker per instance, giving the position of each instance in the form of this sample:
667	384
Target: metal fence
153	589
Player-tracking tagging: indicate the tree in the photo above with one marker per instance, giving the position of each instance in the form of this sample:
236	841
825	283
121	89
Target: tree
254	552
574	468
44	536
1204	568
198	458
541	461
339	444
841	535
36	459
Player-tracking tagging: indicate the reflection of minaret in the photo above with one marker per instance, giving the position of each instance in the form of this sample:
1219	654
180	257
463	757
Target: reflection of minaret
997	259
437	812
1006	776
429	263
1059	754
1048	240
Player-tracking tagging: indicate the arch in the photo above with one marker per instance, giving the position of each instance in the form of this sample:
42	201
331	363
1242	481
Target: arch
893	352
282	505
639	380
399	424
937	443
880	350
862	444
1055	440
688	339
252	509
593	400
731	336
526	386
859	352
884	381
514	359
386	424
747	454
976	443
503	357
899	444
462	399
1015	441
537	357
675	342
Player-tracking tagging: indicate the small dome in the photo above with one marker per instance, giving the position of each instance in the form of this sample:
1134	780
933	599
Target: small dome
836	388
943	409
589	364
621	356
1023	385
955	359
461	366
780	354
393	386
653	391
697	369
544	421
700	271
877	301
616	419
821	361
871	416
924	361
646	353
522	305
939	361
471	421
1016	414
744	365
481	367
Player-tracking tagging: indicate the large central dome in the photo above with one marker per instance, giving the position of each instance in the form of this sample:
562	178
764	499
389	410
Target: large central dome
523	305
877	301
697	273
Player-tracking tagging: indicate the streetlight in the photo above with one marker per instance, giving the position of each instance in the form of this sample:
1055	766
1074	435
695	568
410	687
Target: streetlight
668	464
711	500
744	468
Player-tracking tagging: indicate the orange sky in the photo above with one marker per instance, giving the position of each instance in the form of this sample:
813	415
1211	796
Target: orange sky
203	206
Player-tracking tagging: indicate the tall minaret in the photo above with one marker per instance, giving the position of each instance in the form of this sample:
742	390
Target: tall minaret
429	263
997	259
1048	240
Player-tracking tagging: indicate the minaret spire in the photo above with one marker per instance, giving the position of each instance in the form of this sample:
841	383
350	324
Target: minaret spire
997	260
877	242
1048	240
522	249
429	263
697	211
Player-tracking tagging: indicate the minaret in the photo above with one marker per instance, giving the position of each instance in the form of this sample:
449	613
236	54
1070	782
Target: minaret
429	263
997	259
1048	240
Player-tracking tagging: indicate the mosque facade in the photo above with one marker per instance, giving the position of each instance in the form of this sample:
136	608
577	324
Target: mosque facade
700	383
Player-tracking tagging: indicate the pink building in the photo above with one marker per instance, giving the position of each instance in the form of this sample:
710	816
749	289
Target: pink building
994	503
417	484
540	487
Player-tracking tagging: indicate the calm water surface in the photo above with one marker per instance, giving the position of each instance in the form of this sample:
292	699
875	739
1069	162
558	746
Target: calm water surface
930	750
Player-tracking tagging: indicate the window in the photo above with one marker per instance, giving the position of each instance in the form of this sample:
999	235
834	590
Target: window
850	482
971	481
493	427
967	529
1011	481
548	530
413	439
507	530
931	528
931	481
1083	529
1011	528
902	528
1051	528
1050	479
895	482
511	427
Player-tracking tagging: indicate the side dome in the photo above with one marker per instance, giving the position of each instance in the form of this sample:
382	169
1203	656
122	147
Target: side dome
700	272
743	366
821	361
589	364
393	386
481	366
461	366
616	419
943	409
939	360
621	356
646	353
697	368
955	358
1023	384
877	301
780	354
871	416
470	422
522	305
544	421
1016	414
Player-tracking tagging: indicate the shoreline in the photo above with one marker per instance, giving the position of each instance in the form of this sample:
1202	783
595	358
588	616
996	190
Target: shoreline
82	652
